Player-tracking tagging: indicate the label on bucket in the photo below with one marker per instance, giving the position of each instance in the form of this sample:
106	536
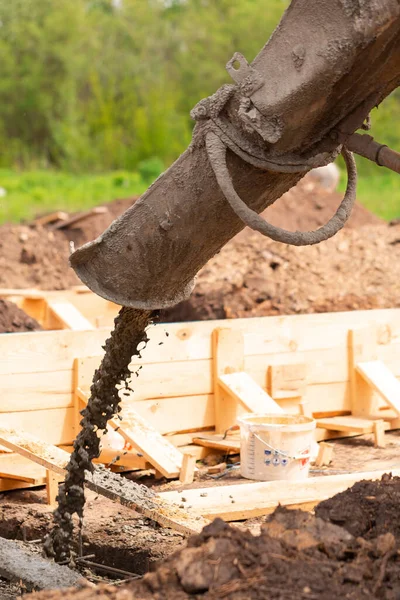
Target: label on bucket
304	461
275	458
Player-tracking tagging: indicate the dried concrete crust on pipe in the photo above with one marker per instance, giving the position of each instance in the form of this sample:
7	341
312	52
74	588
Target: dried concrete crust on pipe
308	90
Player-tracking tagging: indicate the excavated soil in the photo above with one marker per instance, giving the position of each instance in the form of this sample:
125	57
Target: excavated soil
14	319
254	276
367	509
251	276
296	556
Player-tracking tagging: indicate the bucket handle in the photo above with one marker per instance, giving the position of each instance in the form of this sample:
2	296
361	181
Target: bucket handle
285	454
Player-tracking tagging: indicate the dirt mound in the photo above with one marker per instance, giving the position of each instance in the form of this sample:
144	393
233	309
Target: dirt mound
367	509
37	257
34	258
14	319
308	206
254	276
296	556
93	225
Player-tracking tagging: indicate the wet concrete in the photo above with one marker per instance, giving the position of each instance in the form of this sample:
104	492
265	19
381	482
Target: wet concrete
35	572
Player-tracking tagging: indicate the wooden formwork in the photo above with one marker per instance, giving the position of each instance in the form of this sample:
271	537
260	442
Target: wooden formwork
197	378
76	308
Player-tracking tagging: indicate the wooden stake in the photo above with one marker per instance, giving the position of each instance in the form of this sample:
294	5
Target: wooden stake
188	466
379	434
325	454
362	347
228	357
52	482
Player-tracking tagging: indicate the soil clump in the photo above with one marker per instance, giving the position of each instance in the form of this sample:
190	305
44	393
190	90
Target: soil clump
13	319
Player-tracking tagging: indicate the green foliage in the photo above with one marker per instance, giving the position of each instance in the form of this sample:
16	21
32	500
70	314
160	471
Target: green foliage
94	85
28	194
103	85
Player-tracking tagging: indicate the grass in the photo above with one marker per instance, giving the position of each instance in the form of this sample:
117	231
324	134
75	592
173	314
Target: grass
31	193
378	189
26	195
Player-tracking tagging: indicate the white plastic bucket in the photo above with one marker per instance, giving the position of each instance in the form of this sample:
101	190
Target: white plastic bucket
275	446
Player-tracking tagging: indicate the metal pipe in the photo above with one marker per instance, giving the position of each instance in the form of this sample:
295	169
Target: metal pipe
366	146
326	66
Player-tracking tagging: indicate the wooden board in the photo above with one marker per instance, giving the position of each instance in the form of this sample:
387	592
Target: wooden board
8	485
36	391
55	426
127	460
47	351
158	509
382	380
229	443
287	380
14	466
248	500
350	423
227	358
65	315
246	391
156	449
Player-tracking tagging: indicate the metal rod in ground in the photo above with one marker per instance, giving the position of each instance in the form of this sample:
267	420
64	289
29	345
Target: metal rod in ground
107	569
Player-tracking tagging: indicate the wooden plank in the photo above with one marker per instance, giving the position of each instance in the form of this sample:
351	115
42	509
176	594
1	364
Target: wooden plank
184	439
52	482
36	391
379	434
127	460
291	334
228	357
64	315
8	485
325	454
362	347
174	415
199	452
287	380
230	444
35	308
104	482
54	426
248	500
248	393
24	293
186	476
14	466
158	380
350	423
156	449
382	380
46	351
97	210
58	215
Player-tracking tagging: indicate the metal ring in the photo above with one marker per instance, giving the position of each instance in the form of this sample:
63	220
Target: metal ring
217	156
